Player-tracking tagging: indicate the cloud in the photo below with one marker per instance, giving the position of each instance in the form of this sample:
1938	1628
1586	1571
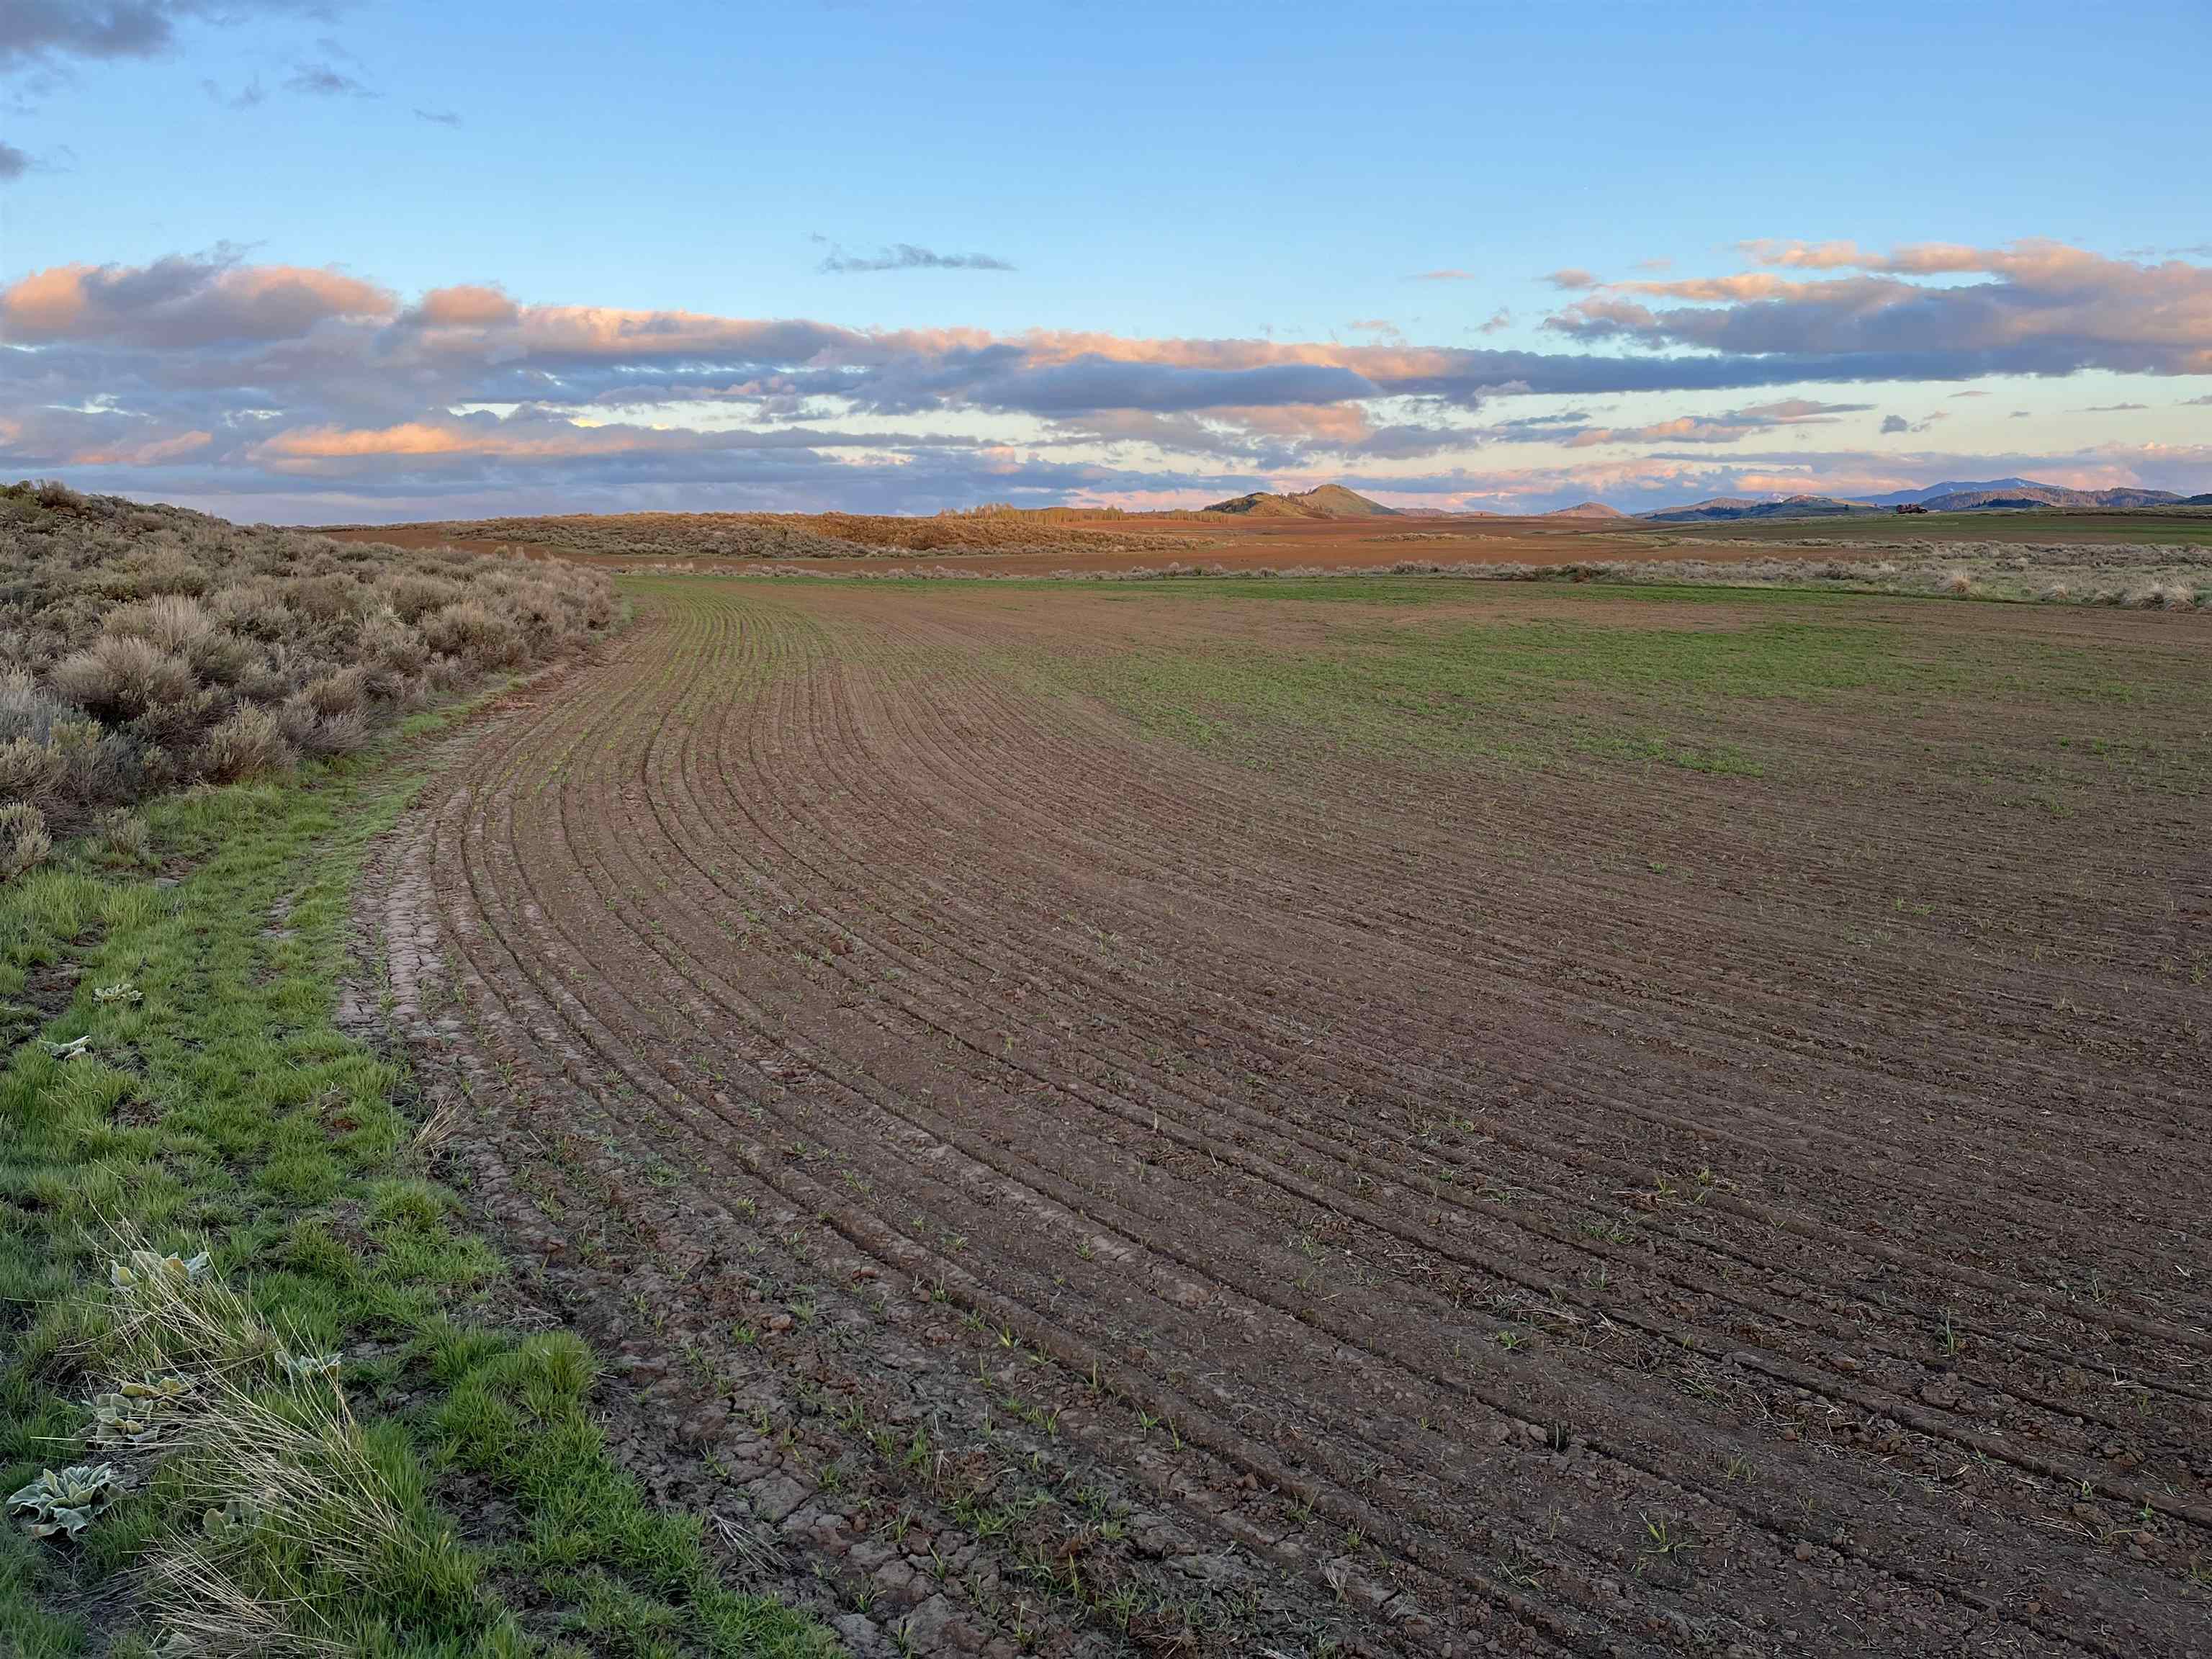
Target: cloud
2042	308
1093	382
1731	427
180	303
466	304
34	32
905	256
245	97
1444	277
1571	279
584	352
17	163
322	81
2197	403
2110	409
1894	423
1499	319
444	118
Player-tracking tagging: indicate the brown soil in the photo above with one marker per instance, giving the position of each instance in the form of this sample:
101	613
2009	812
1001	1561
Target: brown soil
1069	1187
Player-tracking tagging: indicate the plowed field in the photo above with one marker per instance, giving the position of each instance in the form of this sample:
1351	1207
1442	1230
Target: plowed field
1235	1117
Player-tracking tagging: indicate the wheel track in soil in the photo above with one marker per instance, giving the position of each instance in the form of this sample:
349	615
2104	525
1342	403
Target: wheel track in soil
688	806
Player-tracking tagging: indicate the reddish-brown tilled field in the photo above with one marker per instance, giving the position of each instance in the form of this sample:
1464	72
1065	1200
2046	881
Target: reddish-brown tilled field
1240	1117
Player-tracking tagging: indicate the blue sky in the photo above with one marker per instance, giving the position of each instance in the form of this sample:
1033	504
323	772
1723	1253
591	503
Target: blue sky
1276	176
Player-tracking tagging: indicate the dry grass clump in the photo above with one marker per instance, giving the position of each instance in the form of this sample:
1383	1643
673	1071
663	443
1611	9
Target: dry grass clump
145	647
2163	596
285	1505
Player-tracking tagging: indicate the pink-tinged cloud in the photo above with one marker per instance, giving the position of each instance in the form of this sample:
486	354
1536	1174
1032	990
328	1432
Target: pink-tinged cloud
1572	279
2045	308
465	305
179	304
156	452
1731	428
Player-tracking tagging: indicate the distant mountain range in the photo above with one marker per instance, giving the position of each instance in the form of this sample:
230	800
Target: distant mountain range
1993	494
1740	506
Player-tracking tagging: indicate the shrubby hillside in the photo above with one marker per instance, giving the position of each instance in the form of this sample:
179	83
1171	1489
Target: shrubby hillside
144	647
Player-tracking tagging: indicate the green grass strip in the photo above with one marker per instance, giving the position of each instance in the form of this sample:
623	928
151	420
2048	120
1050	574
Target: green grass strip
222	1108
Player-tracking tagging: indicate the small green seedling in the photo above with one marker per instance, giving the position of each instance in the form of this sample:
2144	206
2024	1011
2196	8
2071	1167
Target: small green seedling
237	1515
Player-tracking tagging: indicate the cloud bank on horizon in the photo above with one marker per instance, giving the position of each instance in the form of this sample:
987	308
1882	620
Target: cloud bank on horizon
212	377
263	385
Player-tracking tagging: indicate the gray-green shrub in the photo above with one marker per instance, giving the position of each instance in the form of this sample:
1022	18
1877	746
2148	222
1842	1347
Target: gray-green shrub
143	648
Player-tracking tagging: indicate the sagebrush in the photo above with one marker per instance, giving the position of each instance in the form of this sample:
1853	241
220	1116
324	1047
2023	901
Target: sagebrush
143	648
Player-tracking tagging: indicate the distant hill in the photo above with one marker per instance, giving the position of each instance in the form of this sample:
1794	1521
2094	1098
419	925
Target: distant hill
1722	508
1586	510
2195	500
1928	493
1325	501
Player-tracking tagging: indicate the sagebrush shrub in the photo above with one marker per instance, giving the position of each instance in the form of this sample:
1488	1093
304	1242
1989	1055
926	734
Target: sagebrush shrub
174	621
120	677
469	630
30	771
143	648
250	742
24	841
